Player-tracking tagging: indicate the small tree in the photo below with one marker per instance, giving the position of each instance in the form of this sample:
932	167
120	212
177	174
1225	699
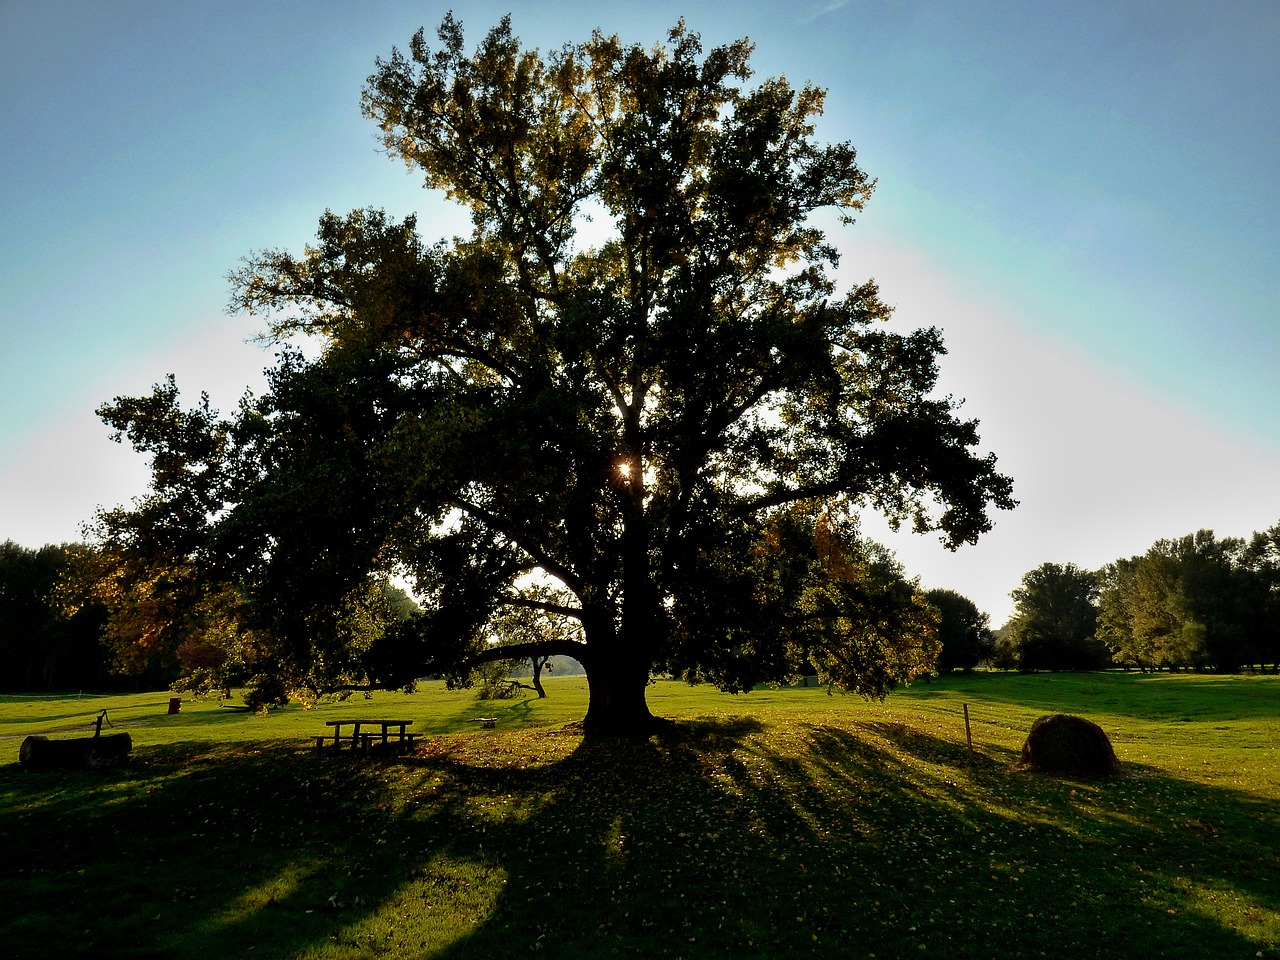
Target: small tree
529	627
1055	620
964	631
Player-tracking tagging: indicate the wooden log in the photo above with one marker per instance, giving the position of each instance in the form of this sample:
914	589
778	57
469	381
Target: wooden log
41	753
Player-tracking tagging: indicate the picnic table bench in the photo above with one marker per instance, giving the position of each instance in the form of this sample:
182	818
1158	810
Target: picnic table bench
486	722
392	731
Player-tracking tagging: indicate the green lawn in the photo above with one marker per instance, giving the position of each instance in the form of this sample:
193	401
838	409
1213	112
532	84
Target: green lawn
776	824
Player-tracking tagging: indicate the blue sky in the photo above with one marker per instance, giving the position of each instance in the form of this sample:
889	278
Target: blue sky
1083	196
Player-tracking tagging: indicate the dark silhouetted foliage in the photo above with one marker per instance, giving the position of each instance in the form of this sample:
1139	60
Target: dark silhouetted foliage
1055	620
1194	602
42	646
665	425
964	631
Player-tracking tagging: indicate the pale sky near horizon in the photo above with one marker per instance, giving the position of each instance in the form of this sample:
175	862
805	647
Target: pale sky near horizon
1082	196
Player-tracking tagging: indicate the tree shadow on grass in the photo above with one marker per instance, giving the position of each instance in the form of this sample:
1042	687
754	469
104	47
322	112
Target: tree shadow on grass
716	839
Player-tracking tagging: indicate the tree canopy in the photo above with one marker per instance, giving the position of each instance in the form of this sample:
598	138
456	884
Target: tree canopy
633	397
43	645
1054	621
1195	601
964	632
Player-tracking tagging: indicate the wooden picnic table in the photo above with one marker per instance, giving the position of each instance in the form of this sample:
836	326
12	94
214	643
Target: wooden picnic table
363	741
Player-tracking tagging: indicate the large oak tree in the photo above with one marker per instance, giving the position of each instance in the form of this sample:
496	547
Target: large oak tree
633	397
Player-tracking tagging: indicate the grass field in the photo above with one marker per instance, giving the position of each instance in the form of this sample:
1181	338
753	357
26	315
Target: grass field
783	823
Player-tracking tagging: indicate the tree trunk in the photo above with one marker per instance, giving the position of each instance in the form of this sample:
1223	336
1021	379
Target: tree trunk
538	663
617	706
618	668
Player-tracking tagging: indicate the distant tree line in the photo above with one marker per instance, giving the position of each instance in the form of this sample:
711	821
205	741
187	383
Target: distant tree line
79	617
98	617
1195	602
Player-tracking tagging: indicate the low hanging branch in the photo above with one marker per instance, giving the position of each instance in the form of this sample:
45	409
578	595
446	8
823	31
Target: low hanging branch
531	649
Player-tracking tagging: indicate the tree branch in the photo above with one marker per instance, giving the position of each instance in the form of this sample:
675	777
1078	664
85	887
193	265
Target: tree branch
546	606
533	648
522	540
790	495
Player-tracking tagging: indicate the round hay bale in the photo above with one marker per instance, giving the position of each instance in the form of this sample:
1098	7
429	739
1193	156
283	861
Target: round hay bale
1070	745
